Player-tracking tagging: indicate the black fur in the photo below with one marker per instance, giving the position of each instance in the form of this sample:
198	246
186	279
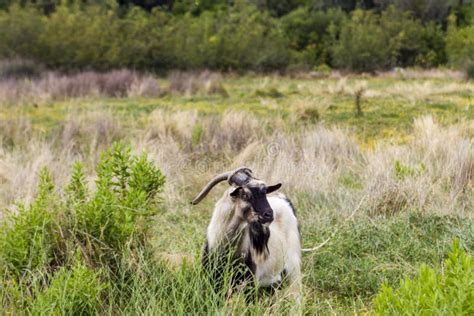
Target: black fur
217	262
242	264
291	204
259	236
294	212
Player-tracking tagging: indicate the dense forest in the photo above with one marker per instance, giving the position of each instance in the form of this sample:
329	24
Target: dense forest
234	35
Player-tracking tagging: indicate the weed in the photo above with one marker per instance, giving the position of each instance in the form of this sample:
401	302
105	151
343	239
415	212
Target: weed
72	291
197	135
435	291
309	114
402	171
57	250
269	93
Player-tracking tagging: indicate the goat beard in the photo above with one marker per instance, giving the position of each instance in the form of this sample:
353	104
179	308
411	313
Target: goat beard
259	235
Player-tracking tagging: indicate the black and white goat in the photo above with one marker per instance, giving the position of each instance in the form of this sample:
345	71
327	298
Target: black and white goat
261	229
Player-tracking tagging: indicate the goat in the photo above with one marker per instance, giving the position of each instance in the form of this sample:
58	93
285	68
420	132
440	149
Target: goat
261	230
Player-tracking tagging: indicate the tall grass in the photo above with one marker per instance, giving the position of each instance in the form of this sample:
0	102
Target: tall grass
45	87
23	82
75	242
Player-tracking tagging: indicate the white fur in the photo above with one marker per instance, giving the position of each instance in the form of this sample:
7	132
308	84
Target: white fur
284	243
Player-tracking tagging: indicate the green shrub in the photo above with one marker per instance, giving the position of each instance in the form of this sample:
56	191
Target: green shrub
227	37
370	42
103	37
113	216
432	52
20	29
269	93
446	291
71	292
97	234
460	44
363	45
401	171
469	71
29	235
311	33
240	38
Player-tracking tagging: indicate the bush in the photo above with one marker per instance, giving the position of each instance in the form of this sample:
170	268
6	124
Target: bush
469	71
102	37
29	236
446	291
432	52
95	234
237	38
105	36
310	33
71	292
20	29
363	45
369	42
460	44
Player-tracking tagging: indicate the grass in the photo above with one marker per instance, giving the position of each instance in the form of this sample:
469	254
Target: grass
389	104
389	190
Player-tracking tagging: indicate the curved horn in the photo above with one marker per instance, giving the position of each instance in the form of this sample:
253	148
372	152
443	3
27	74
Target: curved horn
239	177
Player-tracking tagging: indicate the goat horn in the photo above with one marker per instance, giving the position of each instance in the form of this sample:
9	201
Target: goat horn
239	177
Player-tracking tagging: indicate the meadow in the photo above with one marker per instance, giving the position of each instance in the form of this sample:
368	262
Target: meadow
379	167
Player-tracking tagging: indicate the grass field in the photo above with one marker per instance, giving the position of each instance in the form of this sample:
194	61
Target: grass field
387	189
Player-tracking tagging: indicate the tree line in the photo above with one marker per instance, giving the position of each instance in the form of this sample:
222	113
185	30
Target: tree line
260	35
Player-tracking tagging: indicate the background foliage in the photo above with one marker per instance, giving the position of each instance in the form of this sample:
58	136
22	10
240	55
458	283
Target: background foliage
256	35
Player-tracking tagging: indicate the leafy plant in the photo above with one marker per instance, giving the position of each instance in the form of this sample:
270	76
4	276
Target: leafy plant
29	235
57	253
269	93
403	171
446	291
77	291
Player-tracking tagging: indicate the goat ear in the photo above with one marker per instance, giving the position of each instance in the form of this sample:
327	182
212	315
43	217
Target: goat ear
236	192
273	188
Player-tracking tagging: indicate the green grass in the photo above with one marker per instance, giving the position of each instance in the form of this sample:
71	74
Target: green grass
74	249
385	115
360	256
91	252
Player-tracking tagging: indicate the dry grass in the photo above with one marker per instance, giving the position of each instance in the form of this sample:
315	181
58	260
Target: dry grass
191	83
413	73
52	86
412	91
44	87
433	172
